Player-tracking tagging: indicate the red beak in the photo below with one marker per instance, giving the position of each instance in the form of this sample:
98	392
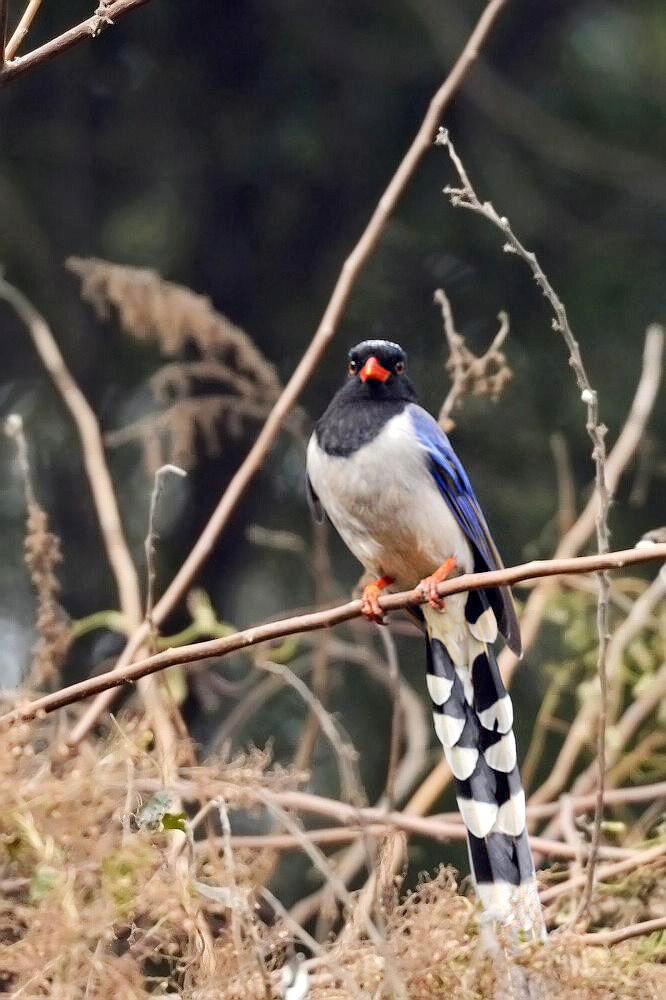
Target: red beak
373	370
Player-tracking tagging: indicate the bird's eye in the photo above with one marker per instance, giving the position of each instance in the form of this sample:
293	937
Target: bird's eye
352	367
399	367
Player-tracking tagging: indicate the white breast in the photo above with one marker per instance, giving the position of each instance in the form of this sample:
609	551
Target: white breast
386	505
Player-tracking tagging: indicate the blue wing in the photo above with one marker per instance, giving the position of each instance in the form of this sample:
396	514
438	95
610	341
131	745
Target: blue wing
455	487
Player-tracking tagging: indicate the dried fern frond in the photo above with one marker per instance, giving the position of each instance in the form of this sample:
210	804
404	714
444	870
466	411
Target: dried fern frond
179	319
42	556
148	306
173	434
485	375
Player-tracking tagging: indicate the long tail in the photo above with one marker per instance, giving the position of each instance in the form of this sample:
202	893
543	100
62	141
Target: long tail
473	718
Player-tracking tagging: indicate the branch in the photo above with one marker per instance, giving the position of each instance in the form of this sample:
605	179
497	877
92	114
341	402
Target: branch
351	269
107	13
123	673
21	29
486	374
372	820
430	827
641	857
608	938
3	32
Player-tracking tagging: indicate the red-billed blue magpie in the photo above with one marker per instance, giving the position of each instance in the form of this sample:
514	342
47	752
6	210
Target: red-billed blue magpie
385	473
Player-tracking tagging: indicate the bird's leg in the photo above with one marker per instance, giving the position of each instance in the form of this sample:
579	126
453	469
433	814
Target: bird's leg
428	586
370	608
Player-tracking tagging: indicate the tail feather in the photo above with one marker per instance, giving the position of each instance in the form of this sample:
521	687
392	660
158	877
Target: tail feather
473	719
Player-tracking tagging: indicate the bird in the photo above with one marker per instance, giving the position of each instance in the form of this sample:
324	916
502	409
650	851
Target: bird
383	470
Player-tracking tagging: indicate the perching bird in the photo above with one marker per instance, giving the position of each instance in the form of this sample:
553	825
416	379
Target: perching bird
385	473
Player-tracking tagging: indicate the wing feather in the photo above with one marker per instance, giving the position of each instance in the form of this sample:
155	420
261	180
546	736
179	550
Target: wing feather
455	487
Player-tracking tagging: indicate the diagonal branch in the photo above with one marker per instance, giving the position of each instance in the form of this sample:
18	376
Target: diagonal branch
107	13
324	334
123	673
21	29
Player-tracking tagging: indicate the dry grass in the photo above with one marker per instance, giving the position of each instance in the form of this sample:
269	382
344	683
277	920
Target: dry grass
100	900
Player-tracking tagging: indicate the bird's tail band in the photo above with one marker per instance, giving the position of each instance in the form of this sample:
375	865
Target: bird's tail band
473	718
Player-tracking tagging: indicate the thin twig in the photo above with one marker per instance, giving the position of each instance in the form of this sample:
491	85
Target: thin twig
394	744
637	860
483	375
320	862
344	813
619	457
609	938
571	834
324	334
123	674
107	13
315	947
429	827
343	749
412	764
321	575
22	28
566	492
3	32
630	763
149	544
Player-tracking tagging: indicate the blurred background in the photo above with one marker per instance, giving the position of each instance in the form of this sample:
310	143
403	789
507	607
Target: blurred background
239	149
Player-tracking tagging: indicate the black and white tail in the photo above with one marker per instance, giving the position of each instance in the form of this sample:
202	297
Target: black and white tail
473	718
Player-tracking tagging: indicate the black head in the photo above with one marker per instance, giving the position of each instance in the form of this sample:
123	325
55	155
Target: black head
379	361
376	390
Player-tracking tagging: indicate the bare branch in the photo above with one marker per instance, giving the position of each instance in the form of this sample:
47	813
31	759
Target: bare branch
151	538
21	29
3	33
566	492
351	269
483	375
609	938
107	13
343	749
123	673
429	827
637	860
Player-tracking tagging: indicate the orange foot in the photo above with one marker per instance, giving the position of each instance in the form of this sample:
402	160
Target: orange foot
370	608
428	586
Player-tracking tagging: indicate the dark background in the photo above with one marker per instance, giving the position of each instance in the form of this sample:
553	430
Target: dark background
239	148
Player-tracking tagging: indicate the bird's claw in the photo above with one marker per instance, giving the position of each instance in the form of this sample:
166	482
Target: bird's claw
370	608
428	586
